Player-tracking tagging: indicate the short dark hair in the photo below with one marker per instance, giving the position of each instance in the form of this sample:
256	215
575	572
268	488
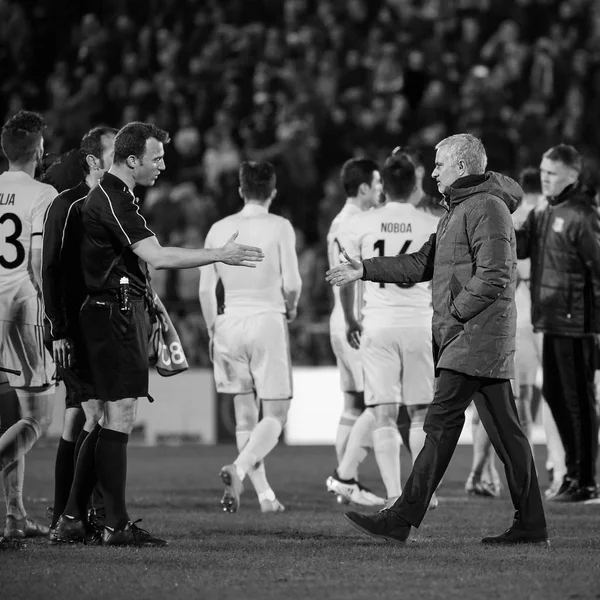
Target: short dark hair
355	172
131	140
257	180
91	143
414	154
21	136
398	177
529	179
567	155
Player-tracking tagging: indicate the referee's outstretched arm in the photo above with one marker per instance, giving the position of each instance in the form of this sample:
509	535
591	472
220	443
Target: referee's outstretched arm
171	257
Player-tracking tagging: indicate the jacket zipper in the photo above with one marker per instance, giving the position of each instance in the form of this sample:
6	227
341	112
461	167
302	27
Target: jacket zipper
543	250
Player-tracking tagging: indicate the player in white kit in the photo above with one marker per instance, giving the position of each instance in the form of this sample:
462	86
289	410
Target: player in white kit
249	341
23	203
396	338
361	180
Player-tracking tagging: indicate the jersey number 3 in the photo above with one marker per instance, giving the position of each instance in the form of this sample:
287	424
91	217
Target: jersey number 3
379	245
13	240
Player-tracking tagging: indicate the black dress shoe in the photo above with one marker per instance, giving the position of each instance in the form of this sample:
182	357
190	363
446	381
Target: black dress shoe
514	535
385	525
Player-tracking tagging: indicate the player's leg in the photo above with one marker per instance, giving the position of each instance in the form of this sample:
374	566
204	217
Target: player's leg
348	362
64	464
555	461
417	386
36	405
246	419
85	476
380	353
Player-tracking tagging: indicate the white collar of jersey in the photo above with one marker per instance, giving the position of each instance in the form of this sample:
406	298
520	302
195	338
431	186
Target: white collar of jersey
398	206
16	174
254	209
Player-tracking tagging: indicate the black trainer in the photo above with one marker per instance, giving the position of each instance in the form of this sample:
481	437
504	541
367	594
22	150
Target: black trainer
11	543
566	490
514	535
384	524
74	531
578	494
130	535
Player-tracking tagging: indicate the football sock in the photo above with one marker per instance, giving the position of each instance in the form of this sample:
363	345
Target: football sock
85	476
386	443
554	445
80	439
347	421
64	471
13	477
416	438
482	448
263	439
357	448
111	466
18	440
257	473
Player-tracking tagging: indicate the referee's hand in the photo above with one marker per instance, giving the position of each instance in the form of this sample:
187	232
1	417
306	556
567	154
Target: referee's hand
63	352
240	255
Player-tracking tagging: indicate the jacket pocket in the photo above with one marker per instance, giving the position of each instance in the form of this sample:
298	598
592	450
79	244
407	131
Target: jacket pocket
455	287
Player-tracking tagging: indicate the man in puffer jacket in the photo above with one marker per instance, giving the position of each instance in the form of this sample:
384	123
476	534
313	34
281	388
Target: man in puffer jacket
562	238
473	264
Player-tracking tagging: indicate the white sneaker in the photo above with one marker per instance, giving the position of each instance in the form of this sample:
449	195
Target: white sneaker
271	506
346	490
433	503
365	497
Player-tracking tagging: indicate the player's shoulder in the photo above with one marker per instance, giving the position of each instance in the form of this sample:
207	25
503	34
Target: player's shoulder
67	197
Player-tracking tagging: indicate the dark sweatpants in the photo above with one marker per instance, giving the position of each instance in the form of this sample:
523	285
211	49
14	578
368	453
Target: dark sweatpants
443	424
568	364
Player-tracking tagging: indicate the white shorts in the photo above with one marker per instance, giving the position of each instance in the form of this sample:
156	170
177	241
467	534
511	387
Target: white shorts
398	365
22	348
348	362
252	354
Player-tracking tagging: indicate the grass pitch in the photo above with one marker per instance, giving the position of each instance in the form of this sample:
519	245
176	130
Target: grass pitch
307	552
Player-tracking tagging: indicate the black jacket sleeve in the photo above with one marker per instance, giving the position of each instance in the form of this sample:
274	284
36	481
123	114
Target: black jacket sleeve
402	268
52	274
524	236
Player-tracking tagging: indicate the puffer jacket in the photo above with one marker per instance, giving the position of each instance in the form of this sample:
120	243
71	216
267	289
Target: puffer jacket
473	264
562	238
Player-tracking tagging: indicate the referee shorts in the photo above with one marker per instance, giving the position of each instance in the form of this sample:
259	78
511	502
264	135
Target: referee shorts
116	345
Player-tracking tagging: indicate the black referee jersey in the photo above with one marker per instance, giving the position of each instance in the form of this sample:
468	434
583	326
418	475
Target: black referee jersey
63	286
112	222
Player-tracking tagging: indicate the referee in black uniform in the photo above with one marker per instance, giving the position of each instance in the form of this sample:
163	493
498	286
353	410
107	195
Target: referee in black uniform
64	291
114	319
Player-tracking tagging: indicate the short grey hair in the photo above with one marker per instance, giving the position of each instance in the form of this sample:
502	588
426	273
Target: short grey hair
469	149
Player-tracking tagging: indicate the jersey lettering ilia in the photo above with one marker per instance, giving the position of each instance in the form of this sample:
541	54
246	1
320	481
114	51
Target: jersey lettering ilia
395	228
334	256
23	204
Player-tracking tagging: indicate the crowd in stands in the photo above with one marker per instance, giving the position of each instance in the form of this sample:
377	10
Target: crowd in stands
305	84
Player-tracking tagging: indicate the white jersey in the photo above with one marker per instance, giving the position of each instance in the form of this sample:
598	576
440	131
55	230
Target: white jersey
23	204
394	228
273	286
334	255
523	295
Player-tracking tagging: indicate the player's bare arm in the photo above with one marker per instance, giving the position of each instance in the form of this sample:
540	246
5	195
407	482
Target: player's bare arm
353	327
171	257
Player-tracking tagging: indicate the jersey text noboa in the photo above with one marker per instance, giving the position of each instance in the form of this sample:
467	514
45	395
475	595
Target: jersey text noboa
395	228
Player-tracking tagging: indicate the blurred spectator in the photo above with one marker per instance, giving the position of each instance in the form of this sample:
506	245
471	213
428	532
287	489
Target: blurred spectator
305	84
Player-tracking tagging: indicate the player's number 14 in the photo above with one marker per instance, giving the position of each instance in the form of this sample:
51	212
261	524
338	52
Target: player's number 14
379	245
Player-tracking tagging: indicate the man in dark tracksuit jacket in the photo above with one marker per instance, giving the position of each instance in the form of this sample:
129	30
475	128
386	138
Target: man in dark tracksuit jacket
63	292
472	262
562	239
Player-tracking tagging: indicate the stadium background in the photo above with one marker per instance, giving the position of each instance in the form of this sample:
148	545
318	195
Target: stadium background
305	84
